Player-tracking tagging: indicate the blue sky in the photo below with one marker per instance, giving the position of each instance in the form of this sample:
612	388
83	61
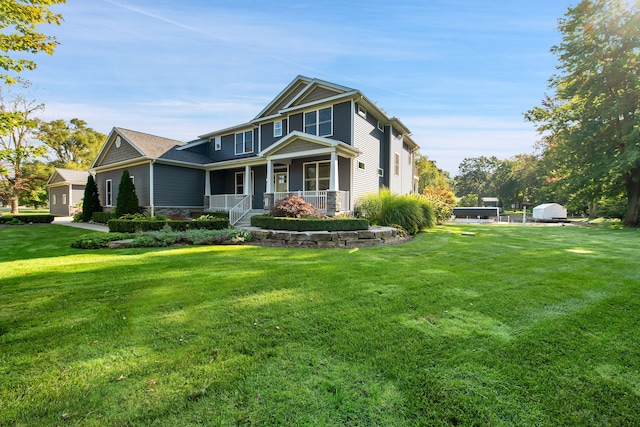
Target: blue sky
459	73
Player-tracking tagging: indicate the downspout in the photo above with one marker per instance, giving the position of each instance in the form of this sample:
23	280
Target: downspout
69	201
151	189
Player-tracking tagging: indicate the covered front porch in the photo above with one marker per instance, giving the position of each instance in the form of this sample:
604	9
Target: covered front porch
315	168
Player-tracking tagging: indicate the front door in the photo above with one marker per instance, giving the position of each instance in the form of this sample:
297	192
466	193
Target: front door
281	182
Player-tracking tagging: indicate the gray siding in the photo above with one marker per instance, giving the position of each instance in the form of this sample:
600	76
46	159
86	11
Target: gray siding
228	148
368	139
403	182
266	131
178	187
285	100
298	146
342	122
140	181
317	94
296	123
115	155
77	194
58	208
57	179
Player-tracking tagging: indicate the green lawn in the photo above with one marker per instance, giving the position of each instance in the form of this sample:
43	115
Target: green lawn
522	326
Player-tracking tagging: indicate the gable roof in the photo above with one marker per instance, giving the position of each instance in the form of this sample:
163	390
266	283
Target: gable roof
149	147
68	176
317	144
300	91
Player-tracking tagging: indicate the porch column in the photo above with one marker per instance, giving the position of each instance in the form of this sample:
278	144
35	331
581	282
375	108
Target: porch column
247	180
333	174
207	183
269	176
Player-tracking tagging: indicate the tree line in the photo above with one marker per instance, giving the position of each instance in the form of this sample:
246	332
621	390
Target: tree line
589	124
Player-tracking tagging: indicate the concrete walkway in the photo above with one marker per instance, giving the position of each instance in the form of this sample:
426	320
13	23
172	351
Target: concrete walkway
68	221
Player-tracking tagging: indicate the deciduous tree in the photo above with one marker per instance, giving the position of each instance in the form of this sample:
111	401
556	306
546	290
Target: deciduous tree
17	124
19	33
73	144
591	120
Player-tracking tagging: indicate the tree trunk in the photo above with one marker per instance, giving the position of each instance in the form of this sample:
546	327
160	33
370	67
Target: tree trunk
633	198
14	205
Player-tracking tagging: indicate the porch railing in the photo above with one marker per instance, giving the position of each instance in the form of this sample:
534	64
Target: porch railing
316	198
239	210
224	202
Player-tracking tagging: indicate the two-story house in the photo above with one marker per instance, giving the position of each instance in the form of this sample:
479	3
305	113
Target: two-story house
325	142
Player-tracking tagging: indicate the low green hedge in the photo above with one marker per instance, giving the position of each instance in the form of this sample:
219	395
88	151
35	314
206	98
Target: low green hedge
309	224
26	218
128	226
102	217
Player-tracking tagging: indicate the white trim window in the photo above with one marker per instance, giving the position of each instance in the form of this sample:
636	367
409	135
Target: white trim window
108	192
277	129
381	172
64	198
244	142
55	199
362	111
396	164
317	176
380	127
319	122
217	143
239	182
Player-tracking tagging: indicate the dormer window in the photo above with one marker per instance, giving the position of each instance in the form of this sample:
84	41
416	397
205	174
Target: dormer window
277	129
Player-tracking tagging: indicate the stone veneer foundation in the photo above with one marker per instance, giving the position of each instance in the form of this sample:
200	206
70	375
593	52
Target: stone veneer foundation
326	239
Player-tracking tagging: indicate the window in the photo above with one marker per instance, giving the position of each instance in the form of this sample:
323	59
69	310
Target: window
133	181
316	176
319	122
362	111
396	164
64	199
217	143
244	142
239	182
380	127
361	165
55	200
277	129
380	172
409	154
108	193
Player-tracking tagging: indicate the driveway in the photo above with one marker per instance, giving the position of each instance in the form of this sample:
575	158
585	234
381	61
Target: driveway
68	221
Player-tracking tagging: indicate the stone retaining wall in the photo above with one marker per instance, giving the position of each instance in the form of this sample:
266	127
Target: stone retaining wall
326	239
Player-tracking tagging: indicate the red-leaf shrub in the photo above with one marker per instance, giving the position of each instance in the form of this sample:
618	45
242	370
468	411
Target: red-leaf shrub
292	207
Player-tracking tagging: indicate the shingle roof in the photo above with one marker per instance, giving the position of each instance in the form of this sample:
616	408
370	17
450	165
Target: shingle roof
157	147
151	145
71	175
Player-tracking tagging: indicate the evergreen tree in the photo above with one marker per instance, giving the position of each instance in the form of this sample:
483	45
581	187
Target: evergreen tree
127	202
91	201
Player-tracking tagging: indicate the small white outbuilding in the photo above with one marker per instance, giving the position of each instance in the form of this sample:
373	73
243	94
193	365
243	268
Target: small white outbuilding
549	212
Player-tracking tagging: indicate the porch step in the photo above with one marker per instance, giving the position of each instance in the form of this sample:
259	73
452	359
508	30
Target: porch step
246	220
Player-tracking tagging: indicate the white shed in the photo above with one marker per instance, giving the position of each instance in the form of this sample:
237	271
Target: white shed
549	212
